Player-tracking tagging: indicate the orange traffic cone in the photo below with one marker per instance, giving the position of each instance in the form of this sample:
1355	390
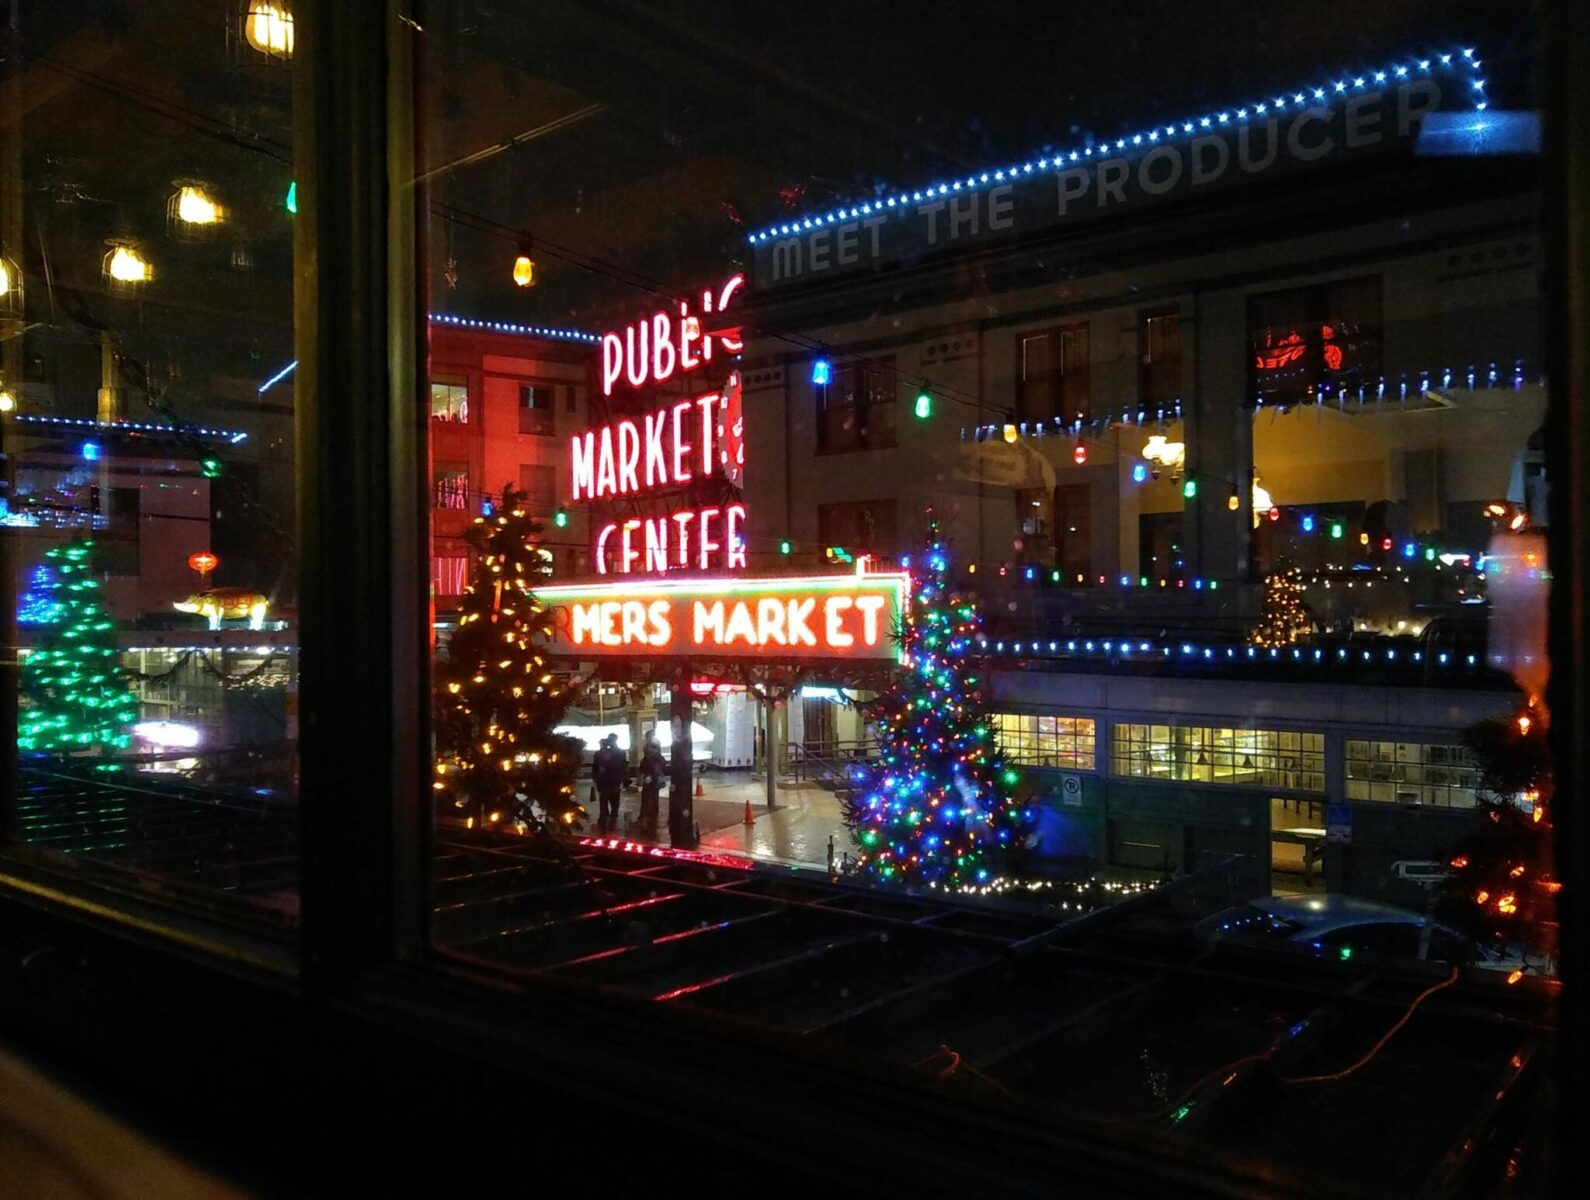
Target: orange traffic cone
750	817
700	791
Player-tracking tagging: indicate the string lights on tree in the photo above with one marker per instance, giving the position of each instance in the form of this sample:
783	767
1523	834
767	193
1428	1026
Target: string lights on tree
1502	888
76	696
1283	617
940	807
499	763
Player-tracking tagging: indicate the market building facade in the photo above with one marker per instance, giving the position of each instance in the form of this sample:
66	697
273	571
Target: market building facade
1136	390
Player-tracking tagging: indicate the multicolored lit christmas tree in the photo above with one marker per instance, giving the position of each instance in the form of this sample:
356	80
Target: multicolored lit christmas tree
1503	888
499	763
940	808
76	697
1283	617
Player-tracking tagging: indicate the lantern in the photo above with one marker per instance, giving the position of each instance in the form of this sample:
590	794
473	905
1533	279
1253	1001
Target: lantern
10	288
193	208
268	27
1010	434
8	402
125	266
203	562
1080	454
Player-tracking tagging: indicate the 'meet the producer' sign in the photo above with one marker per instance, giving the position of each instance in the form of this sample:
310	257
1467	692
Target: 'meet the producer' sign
850	617
1221	150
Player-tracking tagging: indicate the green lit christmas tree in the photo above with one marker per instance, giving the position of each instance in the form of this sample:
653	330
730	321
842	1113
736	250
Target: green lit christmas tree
940	808
76	697
499	763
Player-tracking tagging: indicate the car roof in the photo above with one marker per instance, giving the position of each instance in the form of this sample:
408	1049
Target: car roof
1323	913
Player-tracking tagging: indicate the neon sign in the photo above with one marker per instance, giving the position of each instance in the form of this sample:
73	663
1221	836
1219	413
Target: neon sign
653	349
849	617
626	456
704	538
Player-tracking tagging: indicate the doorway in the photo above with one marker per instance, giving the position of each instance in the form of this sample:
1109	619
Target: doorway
1297	845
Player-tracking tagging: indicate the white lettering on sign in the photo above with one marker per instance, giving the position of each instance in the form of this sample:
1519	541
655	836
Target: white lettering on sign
930	220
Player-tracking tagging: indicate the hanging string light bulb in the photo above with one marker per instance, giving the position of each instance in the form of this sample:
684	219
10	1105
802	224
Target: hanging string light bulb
924	404
268	27
192	212
125	266
10	287
524	266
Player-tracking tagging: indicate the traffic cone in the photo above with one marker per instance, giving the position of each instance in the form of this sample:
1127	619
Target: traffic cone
700	791
750	817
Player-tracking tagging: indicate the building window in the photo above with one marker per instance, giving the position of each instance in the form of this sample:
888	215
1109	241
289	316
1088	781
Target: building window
864	527
1315	340
449	574
1159	350
1411	773
540	487
1159	542
1238	757
1052	373
856	410
535	409
450	400
450	486
1063	742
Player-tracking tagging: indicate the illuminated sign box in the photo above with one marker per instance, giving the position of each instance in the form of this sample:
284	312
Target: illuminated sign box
846	617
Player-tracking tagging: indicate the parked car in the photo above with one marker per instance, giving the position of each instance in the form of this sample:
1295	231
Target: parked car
1345	927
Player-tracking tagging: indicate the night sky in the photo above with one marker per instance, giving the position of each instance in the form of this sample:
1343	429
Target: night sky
721	116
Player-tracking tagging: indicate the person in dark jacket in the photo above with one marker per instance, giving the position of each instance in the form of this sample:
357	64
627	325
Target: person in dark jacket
608	769
653	771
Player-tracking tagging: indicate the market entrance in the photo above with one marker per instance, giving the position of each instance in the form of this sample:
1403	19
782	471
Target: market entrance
660	654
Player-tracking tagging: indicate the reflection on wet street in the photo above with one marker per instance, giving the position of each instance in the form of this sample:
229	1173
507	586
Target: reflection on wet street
796	832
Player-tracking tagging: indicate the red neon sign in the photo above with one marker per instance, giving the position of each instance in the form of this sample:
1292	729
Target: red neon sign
652	349
706	538
653	453
850	617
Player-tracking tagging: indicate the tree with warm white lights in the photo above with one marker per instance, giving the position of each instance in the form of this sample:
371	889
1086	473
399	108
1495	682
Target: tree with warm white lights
76	696
1283	617
1503	888
939	808
499	763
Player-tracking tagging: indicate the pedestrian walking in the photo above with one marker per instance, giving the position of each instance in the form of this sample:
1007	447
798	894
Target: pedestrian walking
608	769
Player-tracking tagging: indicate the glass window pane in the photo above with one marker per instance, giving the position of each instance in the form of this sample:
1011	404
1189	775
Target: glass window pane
147	402
1216	457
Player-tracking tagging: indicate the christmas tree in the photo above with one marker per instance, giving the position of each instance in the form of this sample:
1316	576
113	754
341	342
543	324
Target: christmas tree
1283	617
939	808
498	761
1502	889
76	695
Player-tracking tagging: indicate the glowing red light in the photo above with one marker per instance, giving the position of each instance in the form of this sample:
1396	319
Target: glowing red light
203	562
1080	454
1333	357
1275	514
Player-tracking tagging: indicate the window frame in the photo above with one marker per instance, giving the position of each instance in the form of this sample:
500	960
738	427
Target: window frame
363	964
1054	404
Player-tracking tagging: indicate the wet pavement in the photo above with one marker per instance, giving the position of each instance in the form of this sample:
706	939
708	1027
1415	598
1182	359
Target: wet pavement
797	832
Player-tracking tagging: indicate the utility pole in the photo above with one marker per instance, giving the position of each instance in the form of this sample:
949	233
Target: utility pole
681	799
